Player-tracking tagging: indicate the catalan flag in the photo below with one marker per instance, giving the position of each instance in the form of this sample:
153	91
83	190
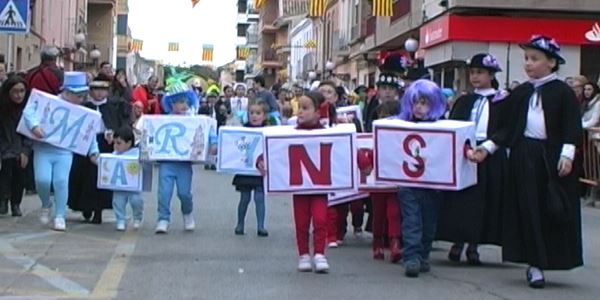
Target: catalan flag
259	3
317	8
207	52
243	53
383	8
136	45
310	44
194	2
173	47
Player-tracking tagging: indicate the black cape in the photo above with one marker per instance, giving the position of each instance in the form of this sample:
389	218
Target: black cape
83	193
474	215
530	235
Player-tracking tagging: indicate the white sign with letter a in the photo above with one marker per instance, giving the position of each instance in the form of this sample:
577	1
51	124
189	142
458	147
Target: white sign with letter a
310	161
65	125
239	147
175	138
425	154
122	173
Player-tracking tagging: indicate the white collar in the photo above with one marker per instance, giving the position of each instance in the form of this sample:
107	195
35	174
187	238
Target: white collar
485	92
539	82
98	103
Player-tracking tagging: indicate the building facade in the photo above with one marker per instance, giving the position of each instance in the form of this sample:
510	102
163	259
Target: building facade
247	40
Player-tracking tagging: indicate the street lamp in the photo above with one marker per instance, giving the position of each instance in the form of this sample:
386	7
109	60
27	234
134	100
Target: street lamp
79	39
95	55
329	66
411	45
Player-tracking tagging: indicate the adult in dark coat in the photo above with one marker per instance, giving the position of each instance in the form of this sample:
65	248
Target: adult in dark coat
388	87
84	196
474	215
546	128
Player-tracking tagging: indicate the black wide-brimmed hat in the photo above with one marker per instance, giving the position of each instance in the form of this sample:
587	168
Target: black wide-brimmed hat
394	63
485	61
100	82
388	79
547	45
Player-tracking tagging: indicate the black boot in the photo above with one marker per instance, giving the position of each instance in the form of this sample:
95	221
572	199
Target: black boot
3	207
97	217
87	215
16	210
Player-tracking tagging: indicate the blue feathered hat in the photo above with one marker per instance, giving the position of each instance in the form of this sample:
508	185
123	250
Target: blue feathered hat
178	91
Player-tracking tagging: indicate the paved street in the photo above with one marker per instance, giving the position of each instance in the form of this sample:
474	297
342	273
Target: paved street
212	263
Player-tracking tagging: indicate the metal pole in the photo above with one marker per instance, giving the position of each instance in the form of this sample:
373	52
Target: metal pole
9	52
507	83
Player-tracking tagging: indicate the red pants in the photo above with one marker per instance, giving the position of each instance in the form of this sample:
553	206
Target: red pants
336	219
386	211
307	208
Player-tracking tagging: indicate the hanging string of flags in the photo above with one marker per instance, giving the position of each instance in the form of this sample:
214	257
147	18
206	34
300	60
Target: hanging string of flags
382	8
173	47
243	53
317	8
207	52
310	44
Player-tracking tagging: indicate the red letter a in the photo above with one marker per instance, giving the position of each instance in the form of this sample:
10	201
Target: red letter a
298	157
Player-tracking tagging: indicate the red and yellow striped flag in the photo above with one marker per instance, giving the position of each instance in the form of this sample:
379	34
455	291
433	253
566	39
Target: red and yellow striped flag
136	45
194	2
317	8
173	47
259	3
207	52
310	44
243	53
383	8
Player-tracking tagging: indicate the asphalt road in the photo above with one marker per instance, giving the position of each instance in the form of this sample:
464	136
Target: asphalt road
95	261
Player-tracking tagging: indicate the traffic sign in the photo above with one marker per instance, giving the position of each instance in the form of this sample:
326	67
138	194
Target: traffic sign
14	16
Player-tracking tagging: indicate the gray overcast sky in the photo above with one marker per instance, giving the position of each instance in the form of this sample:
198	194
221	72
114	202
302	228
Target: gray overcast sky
158	22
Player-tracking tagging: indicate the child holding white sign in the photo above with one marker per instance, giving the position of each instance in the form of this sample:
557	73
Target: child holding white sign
422	102
123	142
245	184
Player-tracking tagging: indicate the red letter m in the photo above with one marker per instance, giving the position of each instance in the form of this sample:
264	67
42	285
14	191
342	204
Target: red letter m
298	158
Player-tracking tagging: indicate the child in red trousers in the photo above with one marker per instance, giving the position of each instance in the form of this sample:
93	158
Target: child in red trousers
384	200
307	208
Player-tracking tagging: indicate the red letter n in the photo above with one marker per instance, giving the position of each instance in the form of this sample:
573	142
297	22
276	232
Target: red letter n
298	158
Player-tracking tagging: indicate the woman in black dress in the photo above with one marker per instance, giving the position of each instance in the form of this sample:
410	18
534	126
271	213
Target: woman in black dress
474	215
542	221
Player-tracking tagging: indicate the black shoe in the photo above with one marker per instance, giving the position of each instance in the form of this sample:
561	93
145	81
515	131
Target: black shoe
262	233
30	192
3	207
412	269
239	231
473	257
455	252
213	168
206	167
97	217
16	211
536	284
87	215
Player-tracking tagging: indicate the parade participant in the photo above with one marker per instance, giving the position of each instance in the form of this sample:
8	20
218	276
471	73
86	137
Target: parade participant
384	200
52	164
543	219
307	208
84	194
178	101
239	105
123	140
15	148
137	111
474	215
147	94
422	102
245	184
388	86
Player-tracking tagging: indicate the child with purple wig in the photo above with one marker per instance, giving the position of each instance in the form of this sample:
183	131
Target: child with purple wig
422	102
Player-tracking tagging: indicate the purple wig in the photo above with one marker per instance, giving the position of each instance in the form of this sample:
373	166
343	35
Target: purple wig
425	89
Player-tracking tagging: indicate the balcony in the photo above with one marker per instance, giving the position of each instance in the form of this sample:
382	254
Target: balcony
400	8
268	15
295	7
270	59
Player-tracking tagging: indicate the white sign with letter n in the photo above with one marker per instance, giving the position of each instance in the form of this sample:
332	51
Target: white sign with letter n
310	161
65	125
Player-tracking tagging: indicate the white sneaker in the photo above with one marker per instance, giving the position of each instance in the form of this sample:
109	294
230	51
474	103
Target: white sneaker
45	216
332	245
137	224
321	265
162	226
121	226
188	222
304	263
339	243
59	224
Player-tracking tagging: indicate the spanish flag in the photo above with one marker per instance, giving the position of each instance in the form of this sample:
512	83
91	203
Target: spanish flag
317	8
383	8
136	45
310	44
259	3
243	53
207	52
194	2
173	47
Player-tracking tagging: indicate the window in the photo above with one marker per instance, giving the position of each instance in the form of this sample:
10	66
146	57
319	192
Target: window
122	24
241	29
121	62
242	6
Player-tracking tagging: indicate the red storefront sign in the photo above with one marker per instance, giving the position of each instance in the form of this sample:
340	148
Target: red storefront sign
504	29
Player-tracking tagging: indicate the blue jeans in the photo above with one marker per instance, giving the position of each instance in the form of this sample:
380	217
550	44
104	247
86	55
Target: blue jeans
119	203
169	175
259	204
52	166
419	220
